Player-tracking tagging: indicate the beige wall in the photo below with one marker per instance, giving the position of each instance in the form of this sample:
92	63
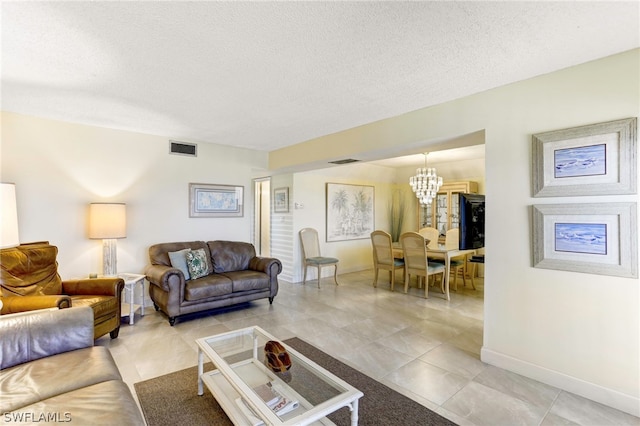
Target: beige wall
579	332
59	168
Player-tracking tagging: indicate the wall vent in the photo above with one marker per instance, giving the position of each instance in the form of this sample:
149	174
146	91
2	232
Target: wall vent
345	161
183	148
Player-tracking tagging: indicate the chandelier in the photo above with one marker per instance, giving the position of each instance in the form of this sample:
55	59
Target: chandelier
425	183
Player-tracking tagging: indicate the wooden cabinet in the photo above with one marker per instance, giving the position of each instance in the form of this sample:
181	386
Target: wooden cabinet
444	211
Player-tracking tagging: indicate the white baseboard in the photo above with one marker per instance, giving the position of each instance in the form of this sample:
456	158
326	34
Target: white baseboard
606	396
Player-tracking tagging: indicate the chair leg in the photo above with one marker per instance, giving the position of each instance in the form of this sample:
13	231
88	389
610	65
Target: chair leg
319	271
335	274
407	277
375	277
392	277
426	287
304	280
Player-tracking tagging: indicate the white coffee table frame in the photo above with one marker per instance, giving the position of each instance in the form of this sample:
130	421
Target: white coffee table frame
226	385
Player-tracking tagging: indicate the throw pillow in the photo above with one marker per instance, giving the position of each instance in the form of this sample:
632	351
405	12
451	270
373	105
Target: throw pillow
197	263
179	261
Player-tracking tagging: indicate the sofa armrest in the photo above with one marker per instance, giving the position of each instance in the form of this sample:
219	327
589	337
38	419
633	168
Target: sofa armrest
108	286
269	265
38	334
15	304
159	275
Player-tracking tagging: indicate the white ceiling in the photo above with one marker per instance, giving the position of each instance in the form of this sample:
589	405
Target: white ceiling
265	75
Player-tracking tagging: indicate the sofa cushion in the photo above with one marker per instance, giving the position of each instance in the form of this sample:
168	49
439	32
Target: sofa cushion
230	256
248	280
105	403
197	263
101	305
214	285
179	261
43	378
29	270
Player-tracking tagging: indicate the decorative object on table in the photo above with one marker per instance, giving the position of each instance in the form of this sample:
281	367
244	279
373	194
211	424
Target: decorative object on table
598	159
9	233
397	211
590	238
426	183
276	357
281	200
350	211
206	200
311	255
108	222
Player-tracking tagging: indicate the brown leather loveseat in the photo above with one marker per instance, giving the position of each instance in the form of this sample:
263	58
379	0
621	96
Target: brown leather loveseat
29	280
232	274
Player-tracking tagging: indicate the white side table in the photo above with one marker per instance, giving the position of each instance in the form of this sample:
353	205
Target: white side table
130	282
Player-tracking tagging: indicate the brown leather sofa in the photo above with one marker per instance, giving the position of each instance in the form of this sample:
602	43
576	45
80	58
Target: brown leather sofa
29	280
235	275
50	372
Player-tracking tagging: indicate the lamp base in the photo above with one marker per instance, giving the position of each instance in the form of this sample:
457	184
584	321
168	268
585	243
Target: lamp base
109	257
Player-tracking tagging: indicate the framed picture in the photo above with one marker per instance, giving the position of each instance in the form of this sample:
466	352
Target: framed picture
349	211
206	200
598	159
591	238
281	200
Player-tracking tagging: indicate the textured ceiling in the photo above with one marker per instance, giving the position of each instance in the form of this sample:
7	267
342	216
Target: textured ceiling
265	75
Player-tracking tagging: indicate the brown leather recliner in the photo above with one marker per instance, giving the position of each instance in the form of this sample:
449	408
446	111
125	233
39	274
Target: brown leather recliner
29	280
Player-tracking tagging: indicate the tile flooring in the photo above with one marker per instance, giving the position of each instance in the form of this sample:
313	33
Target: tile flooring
427	349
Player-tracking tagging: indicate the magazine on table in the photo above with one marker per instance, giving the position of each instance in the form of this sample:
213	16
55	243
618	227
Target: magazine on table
272	394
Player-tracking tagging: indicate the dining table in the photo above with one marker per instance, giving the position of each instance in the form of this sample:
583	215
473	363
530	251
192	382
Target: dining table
441	252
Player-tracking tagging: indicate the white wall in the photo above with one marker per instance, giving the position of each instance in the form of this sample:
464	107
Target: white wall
309	188
577	331
59	168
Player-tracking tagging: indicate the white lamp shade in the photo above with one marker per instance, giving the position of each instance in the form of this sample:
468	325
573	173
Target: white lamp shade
107	220
9	219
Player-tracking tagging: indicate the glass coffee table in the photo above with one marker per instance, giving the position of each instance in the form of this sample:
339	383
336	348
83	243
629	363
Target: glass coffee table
244	386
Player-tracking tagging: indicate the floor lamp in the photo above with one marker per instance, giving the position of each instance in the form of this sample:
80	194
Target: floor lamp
108	222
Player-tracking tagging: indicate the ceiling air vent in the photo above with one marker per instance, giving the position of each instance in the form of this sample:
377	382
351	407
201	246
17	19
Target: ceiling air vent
345	161
183	148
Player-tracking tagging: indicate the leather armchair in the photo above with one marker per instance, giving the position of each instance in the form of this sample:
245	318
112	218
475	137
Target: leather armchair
29	280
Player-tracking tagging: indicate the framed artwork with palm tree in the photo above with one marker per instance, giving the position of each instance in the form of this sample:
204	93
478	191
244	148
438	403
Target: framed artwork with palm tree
350	211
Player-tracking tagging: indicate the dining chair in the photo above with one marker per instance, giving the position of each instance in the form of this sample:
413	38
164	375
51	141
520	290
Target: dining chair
431	234
383	256
457	264
416	263
311	254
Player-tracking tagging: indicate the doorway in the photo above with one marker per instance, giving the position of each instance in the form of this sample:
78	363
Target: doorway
262	217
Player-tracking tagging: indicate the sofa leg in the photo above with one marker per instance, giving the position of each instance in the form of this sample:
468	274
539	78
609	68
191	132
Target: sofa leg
114	333
271	300
172	321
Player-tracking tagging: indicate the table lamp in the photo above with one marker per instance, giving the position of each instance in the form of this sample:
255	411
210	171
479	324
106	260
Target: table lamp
9	234
108	221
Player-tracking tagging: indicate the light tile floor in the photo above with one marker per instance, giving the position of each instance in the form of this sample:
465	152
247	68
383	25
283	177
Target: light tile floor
427	349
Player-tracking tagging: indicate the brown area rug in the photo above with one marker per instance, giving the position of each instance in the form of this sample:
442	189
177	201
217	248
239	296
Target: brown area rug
172	399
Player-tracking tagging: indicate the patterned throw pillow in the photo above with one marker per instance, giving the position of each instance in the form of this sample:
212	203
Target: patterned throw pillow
197	263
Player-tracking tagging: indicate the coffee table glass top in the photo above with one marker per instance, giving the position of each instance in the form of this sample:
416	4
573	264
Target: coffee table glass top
310	392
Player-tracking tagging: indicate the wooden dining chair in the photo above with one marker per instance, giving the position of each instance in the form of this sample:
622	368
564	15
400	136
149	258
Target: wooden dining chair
311	254
416	263
458	264
431	234
383	257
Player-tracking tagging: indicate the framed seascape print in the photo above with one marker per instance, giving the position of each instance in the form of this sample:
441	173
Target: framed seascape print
598	159
590	238
206	200
281	200
349	211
